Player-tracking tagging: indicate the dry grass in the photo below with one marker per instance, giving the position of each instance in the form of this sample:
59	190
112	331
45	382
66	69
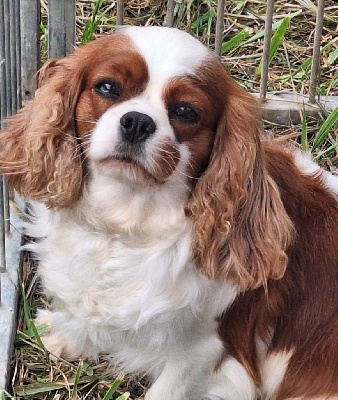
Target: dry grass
34	375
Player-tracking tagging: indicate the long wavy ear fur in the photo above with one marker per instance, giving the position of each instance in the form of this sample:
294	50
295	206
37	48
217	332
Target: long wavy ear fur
241	226
39	155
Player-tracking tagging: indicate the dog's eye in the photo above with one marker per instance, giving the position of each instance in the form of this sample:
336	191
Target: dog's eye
185	113
108	89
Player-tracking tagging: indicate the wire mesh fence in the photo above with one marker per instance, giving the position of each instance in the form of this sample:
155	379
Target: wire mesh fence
10	96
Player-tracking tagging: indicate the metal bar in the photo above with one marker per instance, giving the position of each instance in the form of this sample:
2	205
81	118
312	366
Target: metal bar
219	27
30	46
2	115
169	22
119	12
61	28
266	49
3	110
7	59
2	229
316	50
18	53
12	46
13	96
7	219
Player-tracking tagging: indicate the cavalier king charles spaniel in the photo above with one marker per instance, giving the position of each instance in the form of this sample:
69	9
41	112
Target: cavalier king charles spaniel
170	233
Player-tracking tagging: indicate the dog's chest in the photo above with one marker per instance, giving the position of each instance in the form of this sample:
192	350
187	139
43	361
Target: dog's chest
138	302
123	283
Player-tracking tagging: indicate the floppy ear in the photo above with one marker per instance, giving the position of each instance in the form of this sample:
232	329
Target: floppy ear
39	155
241	226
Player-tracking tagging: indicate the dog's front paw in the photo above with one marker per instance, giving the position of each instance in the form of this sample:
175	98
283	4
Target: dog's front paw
54	344
53	341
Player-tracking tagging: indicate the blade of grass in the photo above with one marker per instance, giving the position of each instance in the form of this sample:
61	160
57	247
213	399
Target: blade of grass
5	395
235	41
28	318
94	21
335	82
326	152
124	396
304	138
304	68
334	57
76	380
40	329
276	41
275	26
113	388
91	24
324	130
36	388
313	8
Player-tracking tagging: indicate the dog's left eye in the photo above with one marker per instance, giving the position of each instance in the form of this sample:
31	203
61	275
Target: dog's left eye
185	113
109	89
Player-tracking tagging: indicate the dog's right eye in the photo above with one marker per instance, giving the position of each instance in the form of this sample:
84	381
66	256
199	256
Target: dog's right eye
108	89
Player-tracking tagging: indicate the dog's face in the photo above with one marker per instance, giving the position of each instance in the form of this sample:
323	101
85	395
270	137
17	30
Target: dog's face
153	108
145	110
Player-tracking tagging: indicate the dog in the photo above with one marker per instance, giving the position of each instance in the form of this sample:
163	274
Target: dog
171	233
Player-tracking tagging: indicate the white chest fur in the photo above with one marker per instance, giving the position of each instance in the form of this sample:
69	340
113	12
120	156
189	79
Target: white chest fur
136	299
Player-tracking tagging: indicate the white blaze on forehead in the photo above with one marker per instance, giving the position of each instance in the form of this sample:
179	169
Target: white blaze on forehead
168	52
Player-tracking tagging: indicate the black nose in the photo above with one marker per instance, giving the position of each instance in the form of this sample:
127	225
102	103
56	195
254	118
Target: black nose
136	127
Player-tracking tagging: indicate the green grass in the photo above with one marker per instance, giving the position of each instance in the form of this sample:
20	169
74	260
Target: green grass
323	135
94	20
304	134
276	41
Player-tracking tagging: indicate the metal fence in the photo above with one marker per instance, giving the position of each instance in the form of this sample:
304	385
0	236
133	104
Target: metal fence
10	99
20	59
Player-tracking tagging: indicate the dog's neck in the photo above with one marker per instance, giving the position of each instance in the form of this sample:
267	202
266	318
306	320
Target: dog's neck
142	214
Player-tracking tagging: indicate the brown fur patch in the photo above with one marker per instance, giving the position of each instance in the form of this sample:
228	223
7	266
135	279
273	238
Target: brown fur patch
241	227
197	136
301	308
110	58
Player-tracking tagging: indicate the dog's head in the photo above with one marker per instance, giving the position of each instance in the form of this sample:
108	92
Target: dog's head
147	107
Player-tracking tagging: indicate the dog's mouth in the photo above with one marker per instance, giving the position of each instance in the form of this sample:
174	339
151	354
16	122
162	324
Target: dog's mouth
125	166
133	165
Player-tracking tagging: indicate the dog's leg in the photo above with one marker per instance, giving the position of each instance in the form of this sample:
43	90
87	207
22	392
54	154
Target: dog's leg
232	382
187	371
59	339
53	341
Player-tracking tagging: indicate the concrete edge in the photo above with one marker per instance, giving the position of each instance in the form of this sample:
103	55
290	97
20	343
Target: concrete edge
10	292
284	108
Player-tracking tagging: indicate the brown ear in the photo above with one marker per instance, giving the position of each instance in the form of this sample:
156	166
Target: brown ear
241	226
40	156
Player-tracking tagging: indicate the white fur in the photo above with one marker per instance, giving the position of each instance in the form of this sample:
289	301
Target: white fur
273	371
177	54
128	295
305	163
232	382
